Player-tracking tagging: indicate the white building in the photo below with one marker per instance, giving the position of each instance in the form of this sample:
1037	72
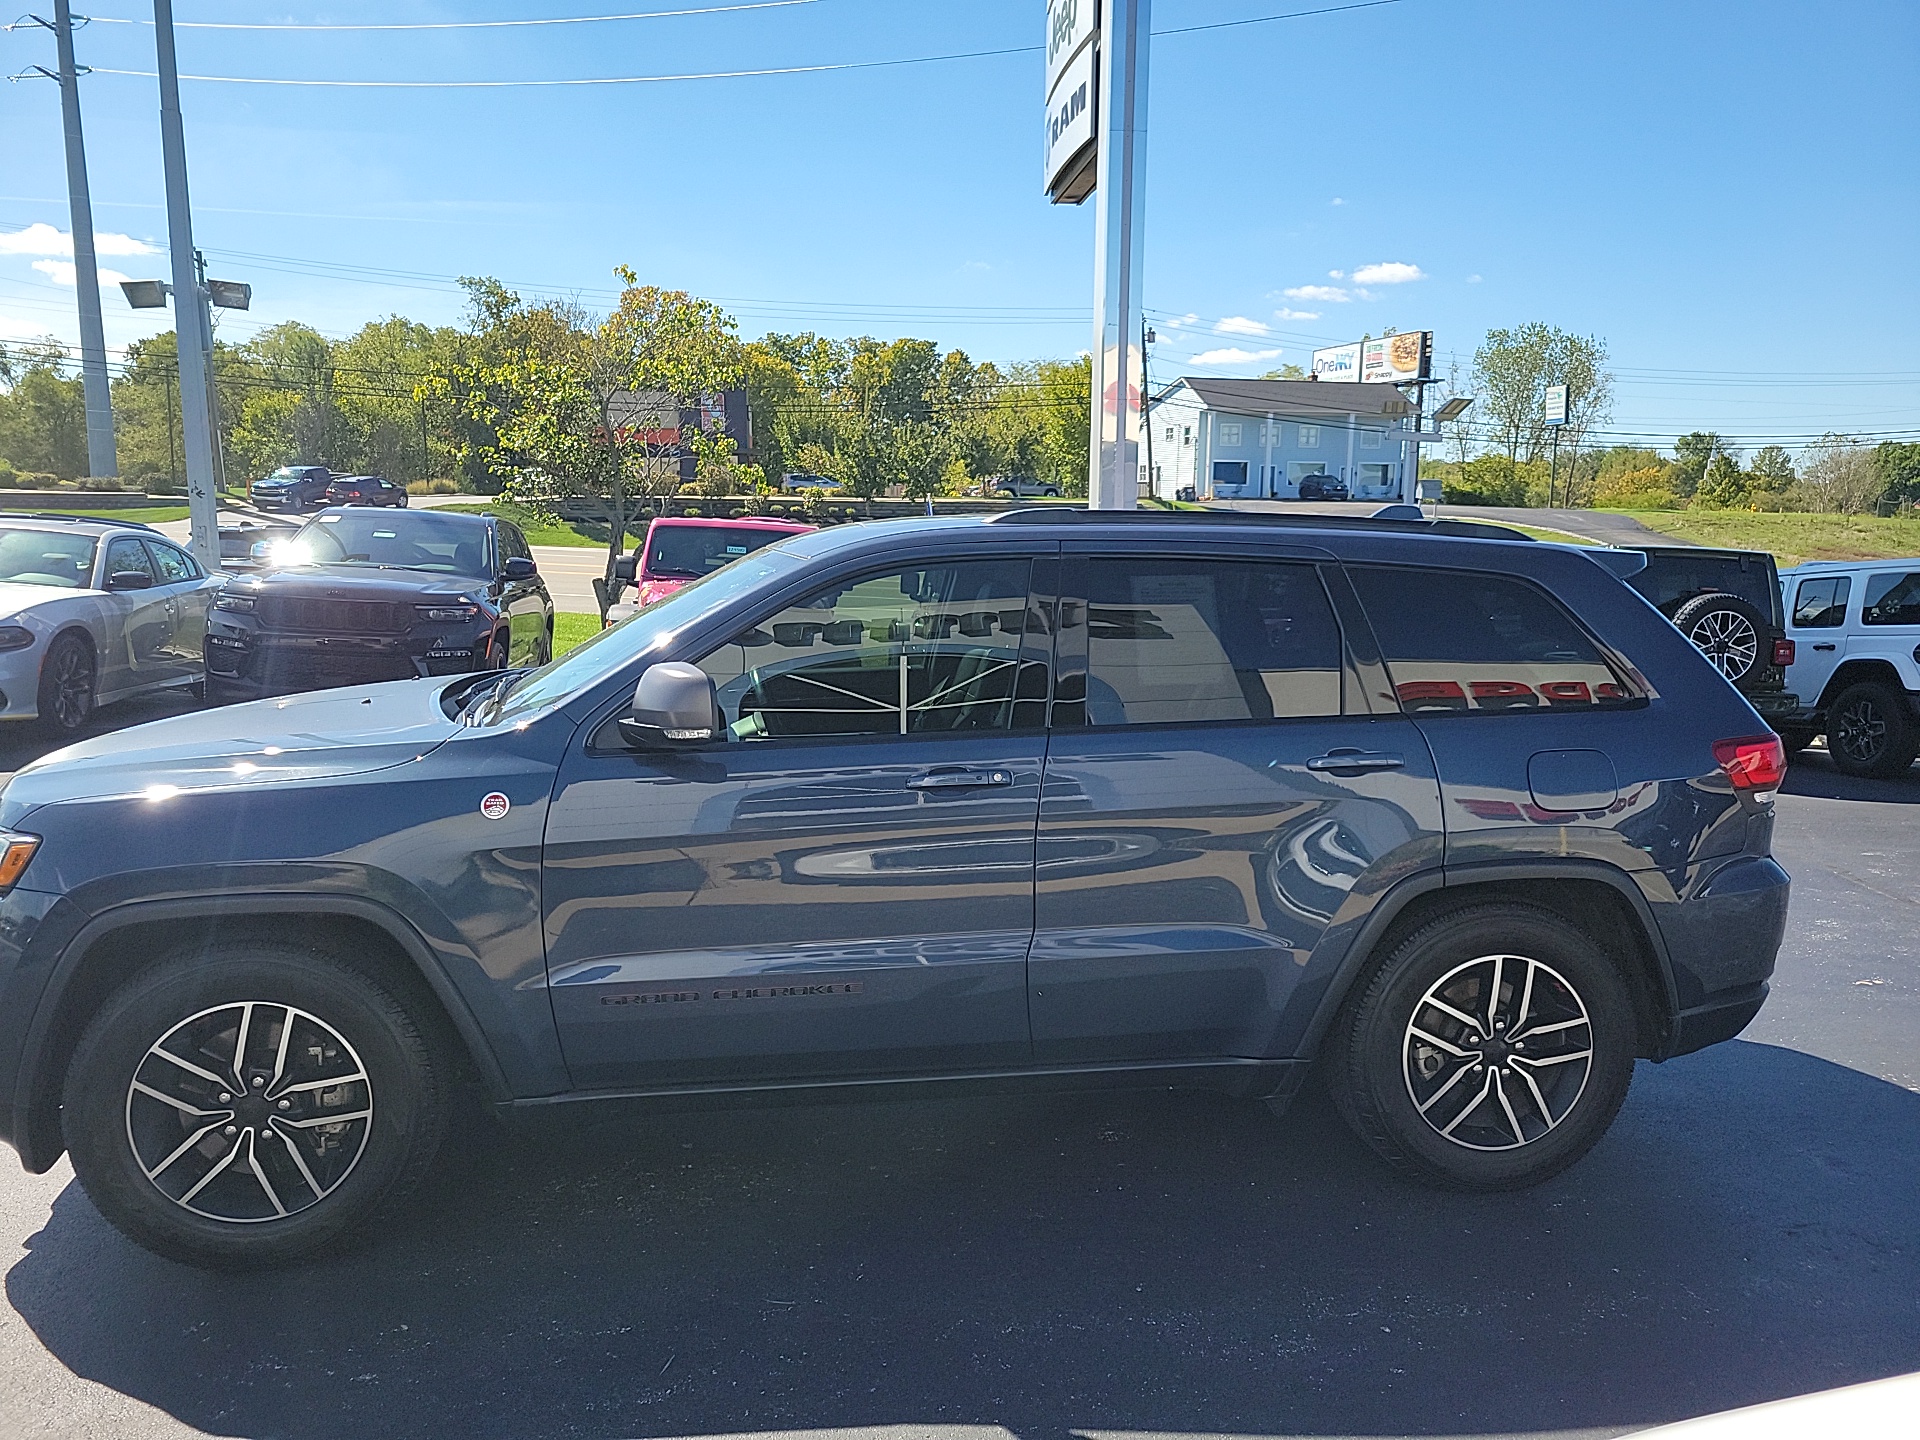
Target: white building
1257	439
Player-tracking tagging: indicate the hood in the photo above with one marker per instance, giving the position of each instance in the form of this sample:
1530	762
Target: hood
326	734
16	597
648	591
361	582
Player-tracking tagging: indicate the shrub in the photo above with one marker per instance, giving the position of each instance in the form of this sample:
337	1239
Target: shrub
1642	489
432	487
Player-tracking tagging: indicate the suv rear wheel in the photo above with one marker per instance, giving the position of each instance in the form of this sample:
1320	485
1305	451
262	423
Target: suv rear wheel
250	1103
1870	731
1490	1051
1727	630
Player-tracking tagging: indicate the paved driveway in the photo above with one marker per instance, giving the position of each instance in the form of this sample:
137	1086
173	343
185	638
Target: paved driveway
1078	1266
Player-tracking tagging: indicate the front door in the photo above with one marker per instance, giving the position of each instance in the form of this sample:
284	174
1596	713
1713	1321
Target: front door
185	586
142	652
842	888
1222	801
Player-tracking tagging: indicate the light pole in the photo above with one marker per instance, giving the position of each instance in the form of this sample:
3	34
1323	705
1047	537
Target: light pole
101	458
1120	197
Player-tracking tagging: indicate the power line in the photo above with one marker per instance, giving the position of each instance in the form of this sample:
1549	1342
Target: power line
466	24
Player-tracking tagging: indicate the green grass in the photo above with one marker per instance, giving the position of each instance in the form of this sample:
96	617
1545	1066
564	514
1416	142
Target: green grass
541	530
145	515
1791	538
571	630
1558	537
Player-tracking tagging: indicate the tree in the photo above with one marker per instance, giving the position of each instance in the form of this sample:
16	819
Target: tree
1725	486
43	421
1692	452
586	410
1512	370
1839	475
1898	465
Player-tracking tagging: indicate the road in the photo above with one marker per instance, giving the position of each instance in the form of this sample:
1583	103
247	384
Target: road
1136	1265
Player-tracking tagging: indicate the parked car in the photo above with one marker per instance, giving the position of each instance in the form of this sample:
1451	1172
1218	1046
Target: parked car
1322	487
91	612
1181	799
292	487
794	480
246	545
1727	602
679	550
355	597
365	490
1023	487
1855	626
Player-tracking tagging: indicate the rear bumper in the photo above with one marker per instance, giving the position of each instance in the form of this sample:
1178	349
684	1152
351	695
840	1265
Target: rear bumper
1777	706
1710	1024
1722	943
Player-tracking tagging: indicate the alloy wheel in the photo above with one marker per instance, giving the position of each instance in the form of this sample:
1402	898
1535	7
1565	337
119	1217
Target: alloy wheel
1859	731
1728	639
1497	1052
71	670
249	1112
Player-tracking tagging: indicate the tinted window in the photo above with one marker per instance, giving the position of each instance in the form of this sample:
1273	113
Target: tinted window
513	544
1670	579
924	649
1458	640
686	551
174	565
125	555
1822	603
1197	641
1891	600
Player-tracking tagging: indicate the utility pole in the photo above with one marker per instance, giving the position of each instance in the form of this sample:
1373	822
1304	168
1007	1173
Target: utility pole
1113	480
101	459
1147	338
190	324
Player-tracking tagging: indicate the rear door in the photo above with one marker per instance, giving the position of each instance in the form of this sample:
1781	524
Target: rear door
1218	795
185	586
141	652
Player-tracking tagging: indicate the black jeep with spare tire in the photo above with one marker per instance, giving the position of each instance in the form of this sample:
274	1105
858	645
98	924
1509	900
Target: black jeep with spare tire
1727	602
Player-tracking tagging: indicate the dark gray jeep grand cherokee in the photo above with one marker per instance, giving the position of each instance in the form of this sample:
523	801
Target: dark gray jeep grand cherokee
1062	797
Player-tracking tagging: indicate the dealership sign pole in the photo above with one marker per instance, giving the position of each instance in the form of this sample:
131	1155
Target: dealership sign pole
1096	142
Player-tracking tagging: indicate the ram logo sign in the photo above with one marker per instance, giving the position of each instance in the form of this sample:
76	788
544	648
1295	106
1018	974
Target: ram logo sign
1072	64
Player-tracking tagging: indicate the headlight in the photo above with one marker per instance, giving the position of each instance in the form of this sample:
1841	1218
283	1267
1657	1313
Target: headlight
15	851
447	612
242	603
15	637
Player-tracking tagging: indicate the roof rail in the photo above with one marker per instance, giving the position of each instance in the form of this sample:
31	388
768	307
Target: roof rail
77	519
1391	525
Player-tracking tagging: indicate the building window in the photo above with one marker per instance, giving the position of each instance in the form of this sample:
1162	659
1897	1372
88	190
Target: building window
1229	472
1169	434
1270	434
1376	477
1370	439
1186	435
1309	437
1230	432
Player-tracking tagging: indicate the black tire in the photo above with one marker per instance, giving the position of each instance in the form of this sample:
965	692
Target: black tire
69	678
1378	1060
497	653
1870	731
1728	631
543	653
401	502
328	1177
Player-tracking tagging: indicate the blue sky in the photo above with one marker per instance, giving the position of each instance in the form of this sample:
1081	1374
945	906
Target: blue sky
1727	191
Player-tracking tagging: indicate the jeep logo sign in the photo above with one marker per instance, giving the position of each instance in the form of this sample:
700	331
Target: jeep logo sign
1070	111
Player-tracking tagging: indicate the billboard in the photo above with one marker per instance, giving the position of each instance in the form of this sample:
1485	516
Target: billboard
1556	405
1396	359
1337	362
1072	64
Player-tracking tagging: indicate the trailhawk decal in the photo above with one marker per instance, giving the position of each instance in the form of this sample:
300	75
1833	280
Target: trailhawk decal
495	806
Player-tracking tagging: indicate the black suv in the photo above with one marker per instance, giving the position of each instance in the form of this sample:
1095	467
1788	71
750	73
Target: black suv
1727	602
1049	797
355	597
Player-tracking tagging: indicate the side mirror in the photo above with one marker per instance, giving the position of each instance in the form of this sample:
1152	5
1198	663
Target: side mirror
129	580
517	568
626	568
261	550
674	705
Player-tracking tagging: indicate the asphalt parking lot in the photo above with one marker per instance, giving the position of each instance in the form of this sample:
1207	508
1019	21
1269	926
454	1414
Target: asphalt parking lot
1093	1266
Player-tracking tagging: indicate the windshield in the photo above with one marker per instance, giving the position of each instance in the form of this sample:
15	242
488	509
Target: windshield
682	552
587	664
34	557
410	540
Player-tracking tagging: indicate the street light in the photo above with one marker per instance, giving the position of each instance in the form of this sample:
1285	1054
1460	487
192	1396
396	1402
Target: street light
146	294
1453	409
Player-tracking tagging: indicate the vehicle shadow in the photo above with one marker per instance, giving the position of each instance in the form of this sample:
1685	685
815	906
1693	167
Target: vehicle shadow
1812	773
1052	1266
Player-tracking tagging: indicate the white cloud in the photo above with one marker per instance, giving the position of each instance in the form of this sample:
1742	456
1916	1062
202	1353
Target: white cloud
1284	313
1336	274
1239	325
1233	355
1388	272
1338	201
1473	279
1325	294
41	238
61	272
1182	322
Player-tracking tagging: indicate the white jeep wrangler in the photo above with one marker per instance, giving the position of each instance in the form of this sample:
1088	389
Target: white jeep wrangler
1856	630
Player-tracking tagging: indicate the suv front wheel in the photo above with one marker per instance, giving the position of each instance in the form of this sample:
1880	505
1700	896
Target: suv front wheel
250	1103
1490	1051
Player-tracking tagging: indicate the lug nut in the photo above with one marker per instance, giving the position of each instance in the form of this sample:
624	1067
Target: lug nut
286	1104
258	1081
232	1130
225	1097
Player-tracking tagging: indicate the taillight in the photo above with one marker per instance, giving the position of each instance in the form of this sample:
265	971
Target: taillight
1782	653
1753	765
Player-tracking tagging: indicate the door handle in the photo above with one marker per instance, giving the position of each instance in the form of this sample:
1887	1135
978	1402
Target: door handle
1823	647
960	779
1339	760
